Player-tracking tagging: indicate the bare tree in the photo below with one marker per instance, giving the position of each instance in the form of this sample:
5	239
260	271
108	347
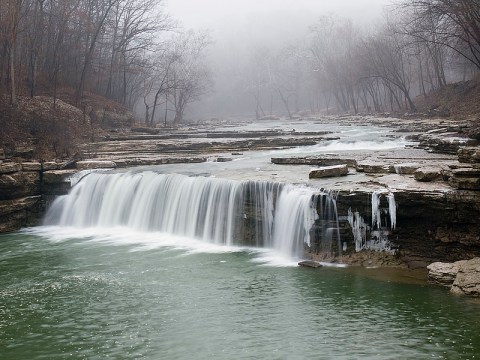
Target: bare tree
188	74
457	25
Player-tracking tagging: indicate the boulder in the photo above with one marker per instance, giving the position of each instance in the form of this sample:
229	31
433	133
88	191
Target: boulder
329	171
426	174
467	281
443	273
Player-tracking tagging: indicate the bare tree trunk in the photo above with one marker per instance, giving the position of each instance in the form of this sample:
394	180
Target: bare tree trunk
13	95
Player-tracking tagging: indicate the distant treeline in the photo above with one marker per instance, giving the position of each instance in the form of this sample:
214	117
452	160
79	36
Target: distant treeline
420	46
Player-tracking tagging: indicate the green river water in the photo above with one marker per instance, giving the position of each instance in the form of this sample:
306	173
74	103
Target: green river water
88	299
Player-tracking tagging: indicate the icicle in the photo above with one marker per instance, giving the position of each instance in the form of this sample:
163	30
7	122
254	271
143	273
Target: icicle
376	219
392	209
359	229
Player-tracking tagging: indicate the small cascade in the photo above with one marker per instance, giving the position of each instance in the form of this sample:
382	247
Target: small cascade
225	212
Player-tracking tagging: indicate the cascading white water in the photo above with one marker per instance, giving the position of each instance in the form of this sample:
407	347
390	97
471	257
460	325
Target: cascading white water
260	214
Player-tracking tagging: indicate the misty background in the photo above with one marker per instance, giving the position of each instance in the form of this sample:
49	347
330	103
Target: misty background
238	27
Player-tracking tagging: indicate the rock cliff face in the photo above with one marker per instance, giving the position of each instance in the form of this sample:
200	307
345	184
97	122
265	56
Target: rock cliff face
25	190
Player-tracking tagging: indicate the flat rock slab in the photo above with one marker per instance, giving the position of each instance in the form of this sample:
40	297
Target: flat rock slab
329	171
57	176
313	160
372	167
310	263
95	164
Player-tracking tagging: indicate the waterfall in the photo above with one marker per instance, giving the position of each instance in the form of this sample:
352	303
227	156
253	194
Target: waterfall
252	213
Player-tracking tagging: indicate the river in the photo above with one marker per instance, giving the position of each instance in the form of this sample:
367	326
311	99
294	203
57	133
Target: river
103	282
120	296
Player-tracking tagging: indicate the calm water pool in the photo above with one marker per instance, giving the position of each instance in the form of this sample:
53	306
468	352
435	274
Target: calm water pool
99	297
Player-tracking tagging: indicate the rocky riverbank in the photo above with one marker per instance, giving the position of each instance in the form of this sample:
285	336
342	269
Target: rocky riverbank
426	194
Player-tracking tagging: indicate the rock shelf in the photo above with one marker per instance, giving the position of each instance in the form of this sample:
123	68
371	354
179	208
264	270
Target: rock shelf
435	188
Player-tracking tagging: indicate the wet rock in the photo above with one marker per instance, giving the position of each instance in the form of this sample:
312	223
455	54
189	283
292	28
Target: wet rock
427	174
310	263
467	281
95	164
2	154
469	154
223	159
329	171
444	274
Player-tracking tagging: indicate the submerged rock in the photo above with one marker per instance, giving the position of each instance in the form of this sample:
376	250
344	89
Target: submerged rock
310	263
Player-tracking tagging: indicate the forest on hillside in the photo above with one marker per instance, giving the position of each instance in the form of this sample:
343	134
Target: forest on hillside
132	53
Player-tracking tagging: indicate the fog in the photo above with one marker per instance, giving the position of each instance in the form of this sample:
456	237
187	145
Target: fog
236	28
211	13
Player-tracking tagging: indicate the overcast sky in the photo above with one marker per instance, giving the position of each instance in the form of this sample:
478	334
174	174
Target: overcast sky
210	13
